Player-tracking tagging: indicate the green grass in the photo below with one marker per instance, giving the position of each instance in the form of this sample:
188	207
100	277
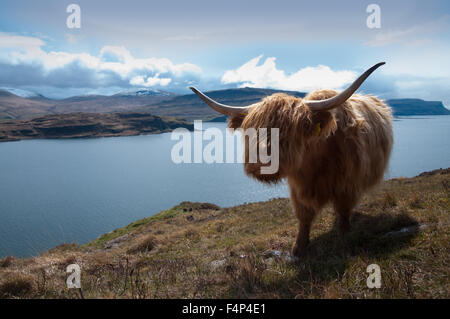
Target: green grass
100	242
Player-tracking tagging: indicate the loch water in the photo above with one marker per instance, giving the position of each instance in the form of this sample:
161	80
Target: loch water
57	191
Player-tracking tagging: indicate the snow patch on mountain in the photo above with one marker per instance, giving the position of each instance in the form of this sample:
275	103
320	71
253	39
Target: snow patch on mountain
145	92
22	93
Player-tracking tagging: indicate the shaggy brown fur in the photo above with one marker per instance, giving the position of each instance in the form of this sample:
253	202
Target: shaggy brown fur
327	156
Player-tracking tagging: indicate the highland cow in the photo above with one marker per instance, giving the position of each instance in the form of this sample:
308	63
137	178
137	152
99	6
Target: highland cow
332	148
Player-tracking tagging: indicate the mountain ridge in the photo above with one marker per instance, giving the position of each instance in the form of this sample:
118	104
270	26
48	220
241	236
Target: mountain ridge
163	103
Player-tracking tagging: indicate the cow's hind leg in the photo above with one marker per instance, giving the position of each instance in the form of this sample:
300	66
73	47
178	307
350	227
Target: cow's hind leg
305	216
343	206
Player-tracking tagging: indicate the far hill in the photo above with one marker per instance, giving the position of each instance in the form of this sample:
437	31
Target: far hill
13	106
77	125
417	107
191	107
164	103
105	104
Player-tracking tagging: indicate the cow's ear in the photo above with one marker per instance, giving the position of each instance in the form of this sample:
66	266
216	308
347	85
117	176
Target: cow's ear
323	124
235	122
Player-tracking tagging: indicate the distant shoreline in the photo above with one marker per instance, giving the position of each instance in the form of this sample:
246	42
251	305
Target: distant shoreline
88	125
223	119
95	125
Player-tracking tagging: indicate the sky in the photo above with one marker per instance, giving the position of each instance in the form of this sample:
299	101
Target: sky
170	45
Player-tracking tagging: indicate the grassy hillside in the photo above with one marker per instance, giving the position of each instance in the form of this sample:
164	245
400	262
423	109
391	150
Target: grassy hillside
197	250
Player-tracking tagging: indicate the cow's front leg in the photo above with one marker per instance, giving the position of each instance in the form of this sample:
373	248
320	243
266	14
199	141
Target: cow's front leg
305	216
343	205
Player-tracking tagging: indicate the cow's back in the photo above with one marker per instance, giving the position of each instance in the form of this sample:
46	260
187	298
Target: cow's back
352	159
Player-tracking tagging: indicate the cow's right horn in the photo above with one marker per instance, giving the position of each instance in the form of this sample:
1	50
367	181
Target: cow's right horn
328	104
221	108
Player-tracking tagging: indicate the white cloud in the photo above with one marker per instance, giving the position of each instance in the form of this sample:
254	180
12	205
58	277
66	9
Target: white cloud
18	41
112	62
120	52
150	81
306	79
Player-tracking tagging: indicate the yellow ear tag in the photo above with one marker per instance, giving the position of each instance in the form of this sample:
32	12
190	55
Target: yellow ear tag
317	129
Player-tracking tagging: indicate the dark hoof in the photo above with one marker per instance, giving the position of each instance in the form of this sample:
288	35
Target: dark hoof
344	228
299	251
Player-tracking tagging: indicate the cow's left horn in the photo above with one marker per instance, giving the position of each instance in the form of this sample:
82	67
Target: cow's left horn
219	107
328	104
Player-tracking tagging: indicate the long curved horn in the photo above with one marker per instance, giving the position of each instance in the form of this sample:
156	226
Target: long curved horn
219	107
328	104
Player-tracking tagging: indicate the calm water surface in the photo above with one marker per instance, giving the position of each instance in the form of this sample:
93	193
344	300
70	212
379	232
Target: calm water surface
55	191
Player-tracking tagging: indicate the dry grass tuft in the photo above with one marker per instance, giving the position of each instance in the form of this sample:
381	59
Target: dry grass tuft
17	285
416	202
6	262
389	200
145	244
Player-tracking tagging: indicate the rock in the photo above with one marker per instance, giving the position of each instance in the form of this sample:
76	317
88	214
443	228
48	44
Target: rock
289	258
406	231
218	263
209	206
269	261
272	253
276	254
190	218
115	242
